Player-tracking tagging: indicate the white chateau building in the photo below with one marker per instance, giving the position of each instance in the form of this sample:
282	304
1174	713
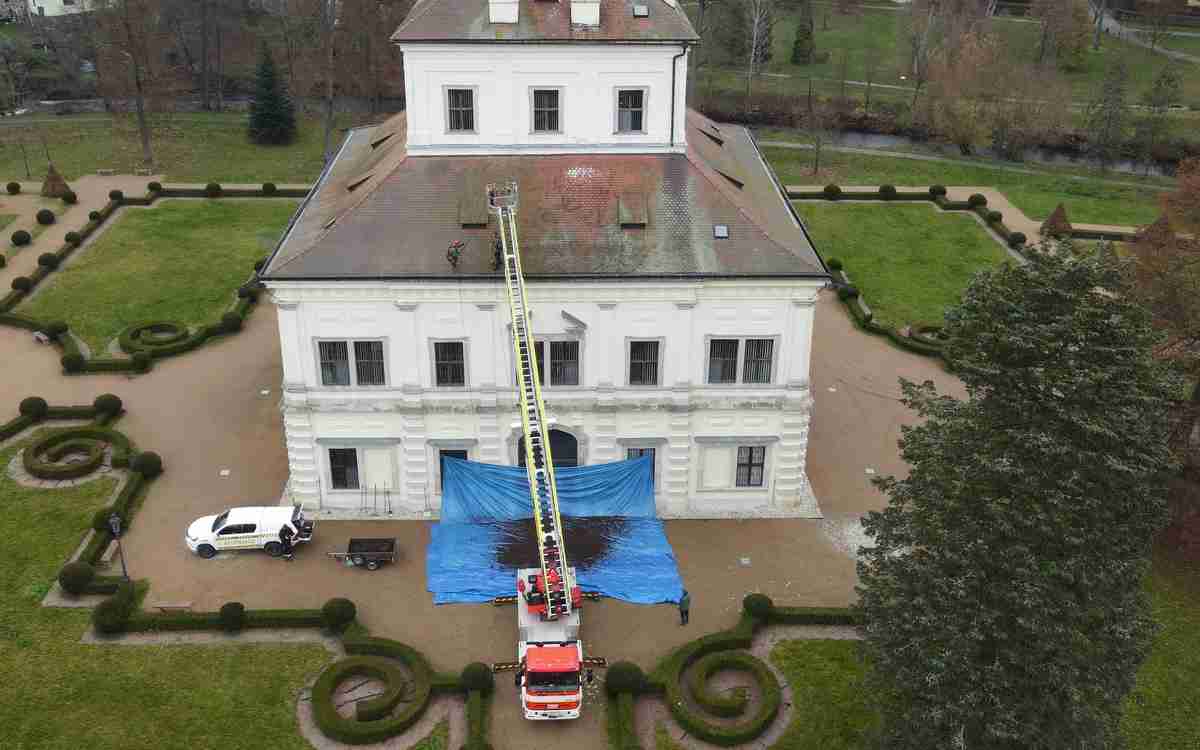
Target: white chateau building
672	287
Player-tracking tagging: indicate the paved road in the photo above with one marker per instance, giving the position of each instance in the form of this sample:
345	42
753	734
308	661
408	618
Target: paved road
1129	34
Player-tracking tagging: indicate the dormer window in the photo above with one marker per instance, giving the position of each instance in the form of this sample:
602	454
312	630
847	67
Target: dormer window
547	110
631	110
460	110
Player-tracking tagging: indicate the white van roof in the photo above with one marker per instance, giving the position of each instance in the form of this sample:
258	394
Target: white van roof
275	515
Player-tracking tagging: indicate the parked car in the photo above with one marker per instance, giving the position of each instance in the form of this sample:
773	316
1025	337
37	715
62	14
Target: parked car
255	527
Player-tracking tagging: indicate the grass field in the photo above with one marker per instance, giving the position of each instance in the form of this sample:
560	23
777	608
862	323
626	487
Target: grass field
60	693
6	219
178	261
438	739
832	710
909	261
1088	200
1188	45
199	147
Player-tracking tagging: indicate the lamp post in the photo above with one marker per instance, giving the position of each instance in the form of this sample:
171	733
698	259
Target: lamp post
114	525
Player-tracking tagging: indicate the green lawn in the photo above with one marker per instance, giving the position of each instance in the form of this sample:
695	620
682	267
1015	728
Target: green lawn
6	219
909	261
198	147
59	693
830	704
1188	45
438	739
1088	200
178	261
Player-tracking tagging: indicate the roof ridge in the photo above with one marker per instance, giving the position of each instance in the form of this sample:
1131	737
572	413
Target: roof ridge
413	15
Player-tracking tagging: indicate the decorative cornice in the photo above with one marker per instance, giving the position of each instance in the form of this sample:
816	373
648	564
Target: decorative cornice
407	306
685	304
485	305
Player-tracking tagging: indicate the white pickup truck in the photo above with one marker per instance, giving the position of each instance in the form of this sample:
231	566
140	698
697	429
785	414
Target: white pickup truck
247	528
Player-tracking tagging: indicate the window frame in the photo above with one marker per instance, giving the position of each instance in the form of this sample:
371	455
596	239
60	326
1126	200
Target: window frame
645	91
628	364
440	457
352	361
433	363
358	467
739	380
546	366
561	109
446	89
737	464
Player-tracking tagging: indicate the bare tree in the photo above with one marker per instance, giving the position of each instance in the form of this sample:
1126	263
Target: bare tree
1157	16
760	18
871	61
922	31
126	27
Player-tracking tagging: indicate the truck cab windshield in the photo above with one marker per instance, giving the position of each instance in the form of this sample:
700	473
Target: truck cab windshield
552	680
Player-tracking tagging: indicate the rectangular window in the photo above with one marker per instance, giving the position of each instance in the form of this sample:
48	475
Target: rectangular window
368	362
643	363
461	110
631	111
750	462
335	362
449	363
351	363
722	360
564	363
343	468
546	114
631	453
442	456
756	367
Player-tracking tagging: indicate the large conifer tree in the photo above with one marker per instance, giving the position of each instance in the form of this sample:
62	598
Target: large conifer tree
1003	600
272	115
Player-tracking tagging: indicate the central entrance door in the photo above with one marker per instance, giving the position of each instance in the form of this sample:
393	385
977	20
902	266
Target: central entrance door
564	449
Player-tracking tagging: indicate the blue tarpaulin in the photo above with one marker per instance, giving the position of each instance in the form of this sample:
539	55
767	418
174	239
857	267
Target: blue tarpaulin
481	502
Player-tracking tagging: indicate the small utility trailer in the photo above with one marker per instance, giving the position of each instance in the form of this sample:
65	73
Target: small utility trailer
369	553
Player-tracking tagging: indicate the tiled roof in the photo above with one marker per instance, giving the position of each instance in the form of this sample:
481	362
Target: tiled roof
379	213
542	21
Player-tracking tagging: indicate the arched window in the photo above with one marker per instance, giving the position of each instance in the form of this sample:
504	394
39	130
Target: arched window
563	447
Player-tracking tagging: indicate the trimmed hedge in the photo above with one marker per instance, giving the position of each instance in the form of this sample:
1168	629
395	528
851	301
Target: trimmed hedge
269	188
832	192
154	187
116	196
338	613
13	188
95	216
112	615
212	190
887	192
758	605
21	238
48	260
75	577
478	677
146	622
45	217
1016	239
70	198
73	238
33	406
621	722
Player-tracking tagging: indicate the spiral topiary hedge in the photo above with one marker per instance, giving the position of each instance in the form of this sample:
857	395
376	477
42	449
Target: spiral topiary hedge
43	458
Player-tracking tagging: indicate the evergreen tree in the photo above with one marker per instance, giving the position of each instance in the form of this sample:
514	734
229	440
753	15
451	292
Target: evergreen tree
1003	602
272	115
804	47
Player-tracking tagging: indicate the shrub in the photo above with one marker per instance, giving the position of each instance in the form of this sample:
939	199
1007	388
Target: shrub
116	195
1016	239
70	198
49	260
477	676
141	361
45	217
94	216
73	362
832	192
260	264
112	614
887	192
154	187
269	188
937	191
337	613
13	188
247	292
847	293
73	238
33	406
147	463
232	616
231	322
976	200
759	605
994	217
22	284
212	190
101	516
835	264
75	576
107	403
624	677
21	238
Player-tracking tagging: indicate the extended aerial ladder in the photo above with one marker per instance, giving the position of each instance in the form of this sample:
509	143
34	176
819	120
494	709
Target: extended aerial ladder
557	575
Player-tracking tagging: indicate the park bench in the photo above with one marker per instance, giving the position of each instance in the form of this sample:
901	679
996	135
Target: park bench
168	607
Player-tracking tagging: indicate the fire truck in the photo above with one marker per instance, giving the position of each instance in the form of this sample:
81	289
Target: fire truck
549	653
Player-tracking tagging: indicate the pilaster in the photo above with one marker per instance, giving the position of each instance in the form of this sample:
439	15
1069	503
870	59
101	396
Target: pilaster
415	461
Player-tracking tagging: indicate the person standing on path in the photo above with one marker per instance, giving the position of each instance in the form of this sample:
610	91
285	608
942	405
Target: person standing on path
685	606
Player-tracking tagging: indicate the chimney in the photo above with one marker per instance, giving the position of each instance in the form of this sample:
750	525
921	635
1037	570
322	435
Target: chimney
502	11
585	12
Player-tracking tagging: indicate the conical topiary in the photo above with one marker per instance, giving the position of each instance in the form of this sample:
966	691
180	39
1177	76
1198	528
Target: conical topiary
54	186
1057	225
272	115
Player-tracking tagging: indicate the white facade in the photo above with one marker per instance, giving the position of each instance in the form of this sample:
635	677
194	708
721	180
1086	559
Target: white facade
396	430
57	7
503	78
